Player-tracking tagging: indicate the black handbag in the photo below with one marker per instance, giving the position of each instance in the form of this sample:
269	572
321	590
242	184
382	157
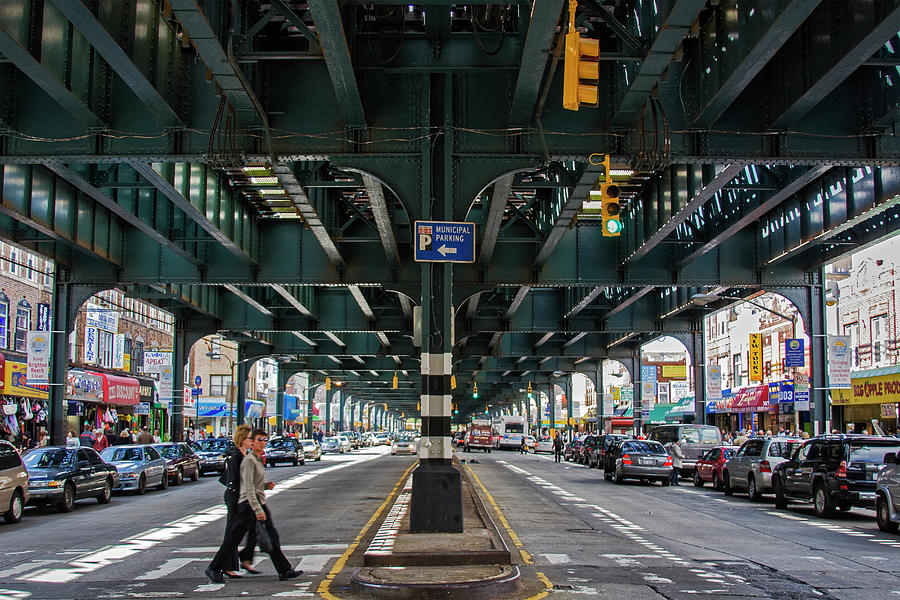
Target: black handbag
263	540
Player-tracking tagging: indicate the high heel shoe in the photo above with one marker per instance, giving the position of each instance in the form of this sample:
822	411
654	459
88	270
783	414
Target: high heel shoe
249	569
232	575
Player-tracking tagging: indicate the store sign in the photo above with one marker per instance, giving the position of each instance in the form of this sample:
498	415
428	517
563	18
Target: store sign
801	392
272	405
155	362
756	361
189	406
648	372
881	389
121	390
794	353
102	318
713	382
142	408
38	346
648	398
119	351
15	382
166	384
839	361
91	345
608	404
674	372
43	316
86	387
126	363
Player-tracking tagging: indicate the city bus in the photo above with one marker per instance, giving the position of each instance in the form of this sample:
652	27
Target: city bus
511	429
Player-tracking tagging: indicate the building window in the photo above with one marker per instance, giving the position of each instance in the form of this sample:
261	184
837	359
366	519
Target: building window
736	370
13	261
219	384
4	321
852	330
23	325
137	356
215	348
107	349
880	338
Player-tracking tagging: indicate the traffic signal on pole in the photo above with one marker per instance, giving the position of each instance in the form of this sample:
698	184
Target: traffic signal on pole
609	198
394	382
475	391
530	395
581	72
328	383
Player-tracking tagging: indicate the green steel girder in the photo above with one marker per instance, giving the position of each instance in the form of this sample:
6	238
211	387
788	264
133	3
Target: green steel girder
541	30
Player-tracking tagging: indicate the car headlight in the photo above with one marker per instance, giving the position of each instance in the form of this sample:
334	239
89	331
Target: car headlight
412	446
128	475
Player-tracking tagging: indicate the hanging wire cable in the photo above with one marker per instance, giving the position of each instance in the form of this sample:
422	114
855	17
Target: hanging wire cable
476	25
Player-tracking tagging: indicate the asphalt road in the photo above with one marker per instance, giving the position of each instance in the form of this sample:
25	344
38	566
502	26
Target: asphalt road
157	545
596	539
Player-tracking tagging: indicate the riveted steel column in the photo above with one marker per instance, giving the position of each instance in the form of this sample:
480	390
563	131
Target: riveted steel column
638	403
279	401
243	372
341	413
551	399
814	320
310	410
570	413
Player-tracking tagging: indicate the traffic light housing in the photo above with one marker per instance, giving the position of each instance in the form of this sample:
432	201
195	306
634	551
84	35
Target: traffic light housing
581	72
475	391
609	213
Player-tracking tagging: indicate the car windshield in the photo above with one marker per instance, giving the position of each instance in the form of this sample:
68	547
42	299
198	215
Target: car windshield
642	447
282	444
783	449
48	458
217	445
307	443
405	439
168	451
122	454
872	451
331	440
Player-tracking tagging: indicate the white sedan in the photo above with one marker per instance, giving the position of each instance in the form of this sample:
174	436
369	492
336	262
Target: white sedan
544	444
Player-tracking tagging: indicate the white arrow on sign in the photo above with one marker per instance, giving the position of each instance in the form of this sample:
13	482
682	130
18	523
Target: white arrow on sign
444	250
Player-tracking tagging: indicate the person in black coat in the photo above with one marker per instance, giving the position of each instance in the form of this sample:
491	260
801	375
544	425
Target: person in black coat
231	479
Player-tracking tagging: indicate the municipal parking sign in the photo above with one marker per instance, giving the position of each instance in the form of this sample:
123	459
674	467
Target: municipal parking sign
444	241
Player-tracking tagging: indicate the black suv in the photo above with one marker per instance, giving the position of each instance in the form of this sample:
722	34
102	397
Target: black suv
833	471
606	441
588	445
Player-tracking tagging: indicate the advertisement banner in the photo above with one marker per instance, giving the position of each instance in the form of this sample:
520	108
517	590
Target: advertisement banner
38	346
189	406
608	404
272	405
126	363
142	408
15	382
106	319
713	382
794	353
43	319
648	372
91	345
756	361
166	384
648	397
119	351
84	387
880	389
674	371
155	361
120	390
839	361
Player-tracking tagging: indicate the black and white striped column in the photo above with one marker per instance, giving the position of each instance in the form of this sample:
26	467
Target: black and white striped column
435	446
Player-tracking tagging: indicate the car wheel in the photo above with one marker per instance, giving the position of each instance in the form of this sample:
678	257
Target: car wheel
68	500
697	481
196	474
319	457
717	483
179	477
727	485
822	502
619	478
607	475
752	491
106	493
296	462
665	482
778	487
882	516
164	481
142	485
16	506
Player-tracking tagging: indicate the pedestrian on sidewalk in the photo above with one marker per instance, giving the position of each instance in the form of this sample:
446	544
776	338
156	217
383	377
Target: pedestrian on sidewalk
144	436
675	451
557	447
523	449
231	479
251	507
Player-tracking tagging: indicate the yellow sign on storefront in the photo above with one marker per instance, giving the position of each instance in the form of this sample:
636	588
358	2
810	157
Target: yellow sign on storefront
881	389
674	372
15	382
756	362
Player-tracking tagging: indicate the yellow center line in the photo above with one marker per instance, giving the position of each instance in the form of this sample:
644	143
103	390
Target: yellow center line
526	557
325	584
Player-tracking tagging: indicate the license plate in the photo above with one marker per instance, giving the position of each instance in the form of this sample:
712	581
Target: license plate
646	461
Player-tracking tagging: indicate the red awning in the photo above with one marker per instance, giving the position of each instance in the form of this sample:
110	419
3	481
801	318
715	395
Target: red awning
621	422
752	399
120	390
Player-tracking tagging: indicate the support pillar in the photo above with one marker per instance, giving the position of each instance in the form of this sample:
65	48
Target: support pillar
436	503
279	401
342	406
243	373
353	416
567	390
310	410
184	340
551	398
637	409
329	398
695	343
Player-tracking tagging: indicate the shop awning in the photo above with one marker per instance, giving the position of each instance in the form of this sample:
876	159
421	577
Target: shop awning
621	422
253	409
124	391
751	399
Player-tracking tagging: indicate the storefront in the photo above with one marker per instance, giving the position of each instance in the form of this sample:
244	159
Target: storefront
25	407
755	410
874	394
98	400
84	397
149	413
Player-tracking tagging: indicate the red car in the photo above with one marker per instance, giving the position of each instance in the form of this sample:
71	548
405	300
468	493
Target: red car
710	465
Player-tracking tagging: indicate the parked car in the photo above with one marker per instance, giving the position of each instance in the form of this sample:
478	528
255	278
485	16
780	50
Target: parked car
311	449
833	471
180	460
59	476
212	453
751	467
382	439
697	440
367	439
544	444
586	453
887	494
609	457
333	445
642	459
351	440
405	444
14	493
138	467
710	466
284	450
598	453
572	449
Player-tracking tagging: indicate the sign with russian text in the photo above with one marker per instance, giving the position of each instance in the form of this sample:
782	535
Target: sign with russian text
37	344
713	382
674	371
793	353
142	408
648	372
839	361
444	241
155	361
756	361
43	321
84	387
189	407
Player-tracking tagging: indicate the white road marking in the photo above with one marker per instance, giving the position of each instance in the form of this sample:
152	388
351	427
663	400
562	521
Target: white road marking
24	568
286	548
130	546
557	559
6	594
314	563
168	567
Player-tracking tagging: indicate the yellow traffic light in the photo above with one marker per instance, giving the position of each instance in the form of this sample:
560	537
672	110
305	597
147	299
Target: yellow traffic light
328	383
609	197
395	380
581	72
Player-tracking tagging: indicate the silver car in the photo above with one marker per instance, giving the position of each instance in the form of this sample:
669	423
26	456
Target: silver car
311	449
887	494
14	493
138	466
750	469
